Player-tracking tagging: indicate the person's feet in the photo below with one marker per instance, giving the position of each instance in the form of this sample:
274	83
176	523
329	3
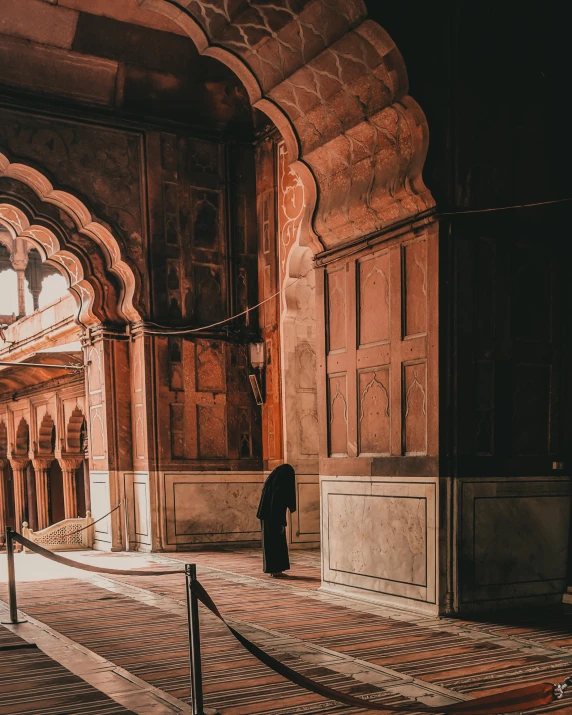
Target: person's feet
280	574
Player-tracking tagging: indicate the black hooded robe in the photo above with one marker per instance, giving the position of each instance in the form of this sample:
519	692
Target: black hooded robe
278	494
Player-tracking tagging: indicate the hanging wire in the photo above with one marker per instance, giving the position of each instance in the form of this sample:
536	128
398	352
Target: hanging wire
203	328
503	208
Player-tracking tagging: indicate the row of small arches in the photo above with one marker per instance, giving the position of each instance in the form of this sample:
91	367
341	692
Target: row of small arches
76	435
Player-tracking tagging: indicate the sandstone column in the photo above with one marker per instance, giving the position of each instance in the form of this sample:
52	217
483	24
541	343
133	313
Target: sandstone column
19	260
3	505
42	469
69	464
19	464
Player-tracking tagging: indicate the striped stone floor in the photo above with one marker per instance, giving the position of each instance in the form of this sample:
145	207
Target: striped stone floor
138	624
32	683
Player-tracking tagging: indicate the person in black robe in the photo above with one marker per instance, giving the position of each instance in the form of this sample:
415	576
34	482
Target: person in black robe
278	494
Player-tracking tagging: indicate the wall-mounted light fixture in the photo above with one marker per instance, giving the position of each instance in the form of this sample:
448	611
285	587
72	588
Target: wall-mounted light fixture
257	362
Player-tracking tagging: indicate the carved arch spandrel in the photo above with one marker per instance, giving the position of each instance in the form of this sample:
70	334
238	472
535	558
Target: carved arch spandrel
84	285
336	87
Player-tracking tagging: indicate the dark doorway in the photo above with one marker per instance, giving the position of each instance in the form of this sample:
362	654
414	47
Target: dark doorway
56	493
8	477
80	491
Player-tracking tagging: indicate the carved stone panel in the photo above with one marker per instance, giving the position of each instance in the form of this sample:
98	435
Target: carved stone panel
211	426
206	219
338	415
415	408
415	288
176	378
531	415
309	434
208	294
337	310
374	412
210	366
306	367
97	433
203	157
171	212
177	430
374	299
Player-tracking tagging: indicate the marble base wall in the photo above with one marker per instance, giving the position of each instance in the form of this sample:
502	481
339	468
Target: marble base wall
379	539
210	508
138	495
514	538
101	505
304	526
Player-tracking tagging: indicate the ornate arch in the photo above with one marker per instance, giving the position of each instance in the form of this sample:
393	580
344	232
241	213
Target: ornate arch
22	442
88	286
47	243
3	440
74	430
336	86
46	434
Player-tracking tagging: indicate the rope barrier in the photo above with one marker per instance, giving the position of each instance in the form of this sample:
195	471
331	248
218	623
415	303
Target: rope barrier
93	523
531	696
87	567
515	700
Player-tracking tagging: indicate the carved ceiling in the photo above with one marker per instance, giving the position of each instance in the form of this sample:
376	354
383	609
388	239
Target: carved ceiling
117	57
20	375
331	80
336	86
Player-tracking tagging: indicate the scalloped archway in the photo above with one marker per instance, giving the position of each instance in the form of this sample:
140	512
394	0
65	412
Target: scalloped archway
85	272
336	87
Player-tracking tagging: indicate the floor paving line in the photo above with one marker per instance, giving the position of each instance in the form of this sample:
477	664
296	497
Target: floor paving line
382	677
526	646
117	683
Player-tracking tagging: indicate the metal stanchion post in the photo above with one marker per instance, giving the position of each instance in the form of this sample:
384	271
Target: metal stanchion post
194	641
11	579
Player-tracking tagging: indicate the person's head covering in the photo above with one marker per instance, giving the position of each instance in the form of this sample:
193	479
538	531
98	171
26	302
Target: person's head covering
278	493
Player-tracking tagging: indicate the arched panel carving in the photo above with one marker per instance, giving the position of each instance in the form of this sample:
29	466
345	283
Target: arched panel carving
46	435
75	431
336	86
22	443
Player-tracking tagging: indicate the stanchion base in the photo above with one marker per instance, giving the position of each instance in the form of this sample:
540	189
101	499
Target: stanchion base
13	623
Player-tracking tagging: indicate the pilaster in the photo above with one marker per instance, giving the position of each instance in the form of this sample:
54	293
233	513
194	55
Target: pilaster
70	463
42	468
3	505
19	464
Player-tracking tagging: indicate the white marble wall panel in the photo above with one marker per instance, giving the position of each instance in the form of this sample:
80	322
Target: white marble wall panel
207	507
100	505
305	522
514	540
137	494
379	538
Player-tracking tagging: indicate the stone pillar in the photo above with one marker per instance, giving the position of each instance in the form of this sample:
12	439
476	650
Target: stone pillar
69	464
34	276
110	423
19	464
42	469
3	505
19	260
